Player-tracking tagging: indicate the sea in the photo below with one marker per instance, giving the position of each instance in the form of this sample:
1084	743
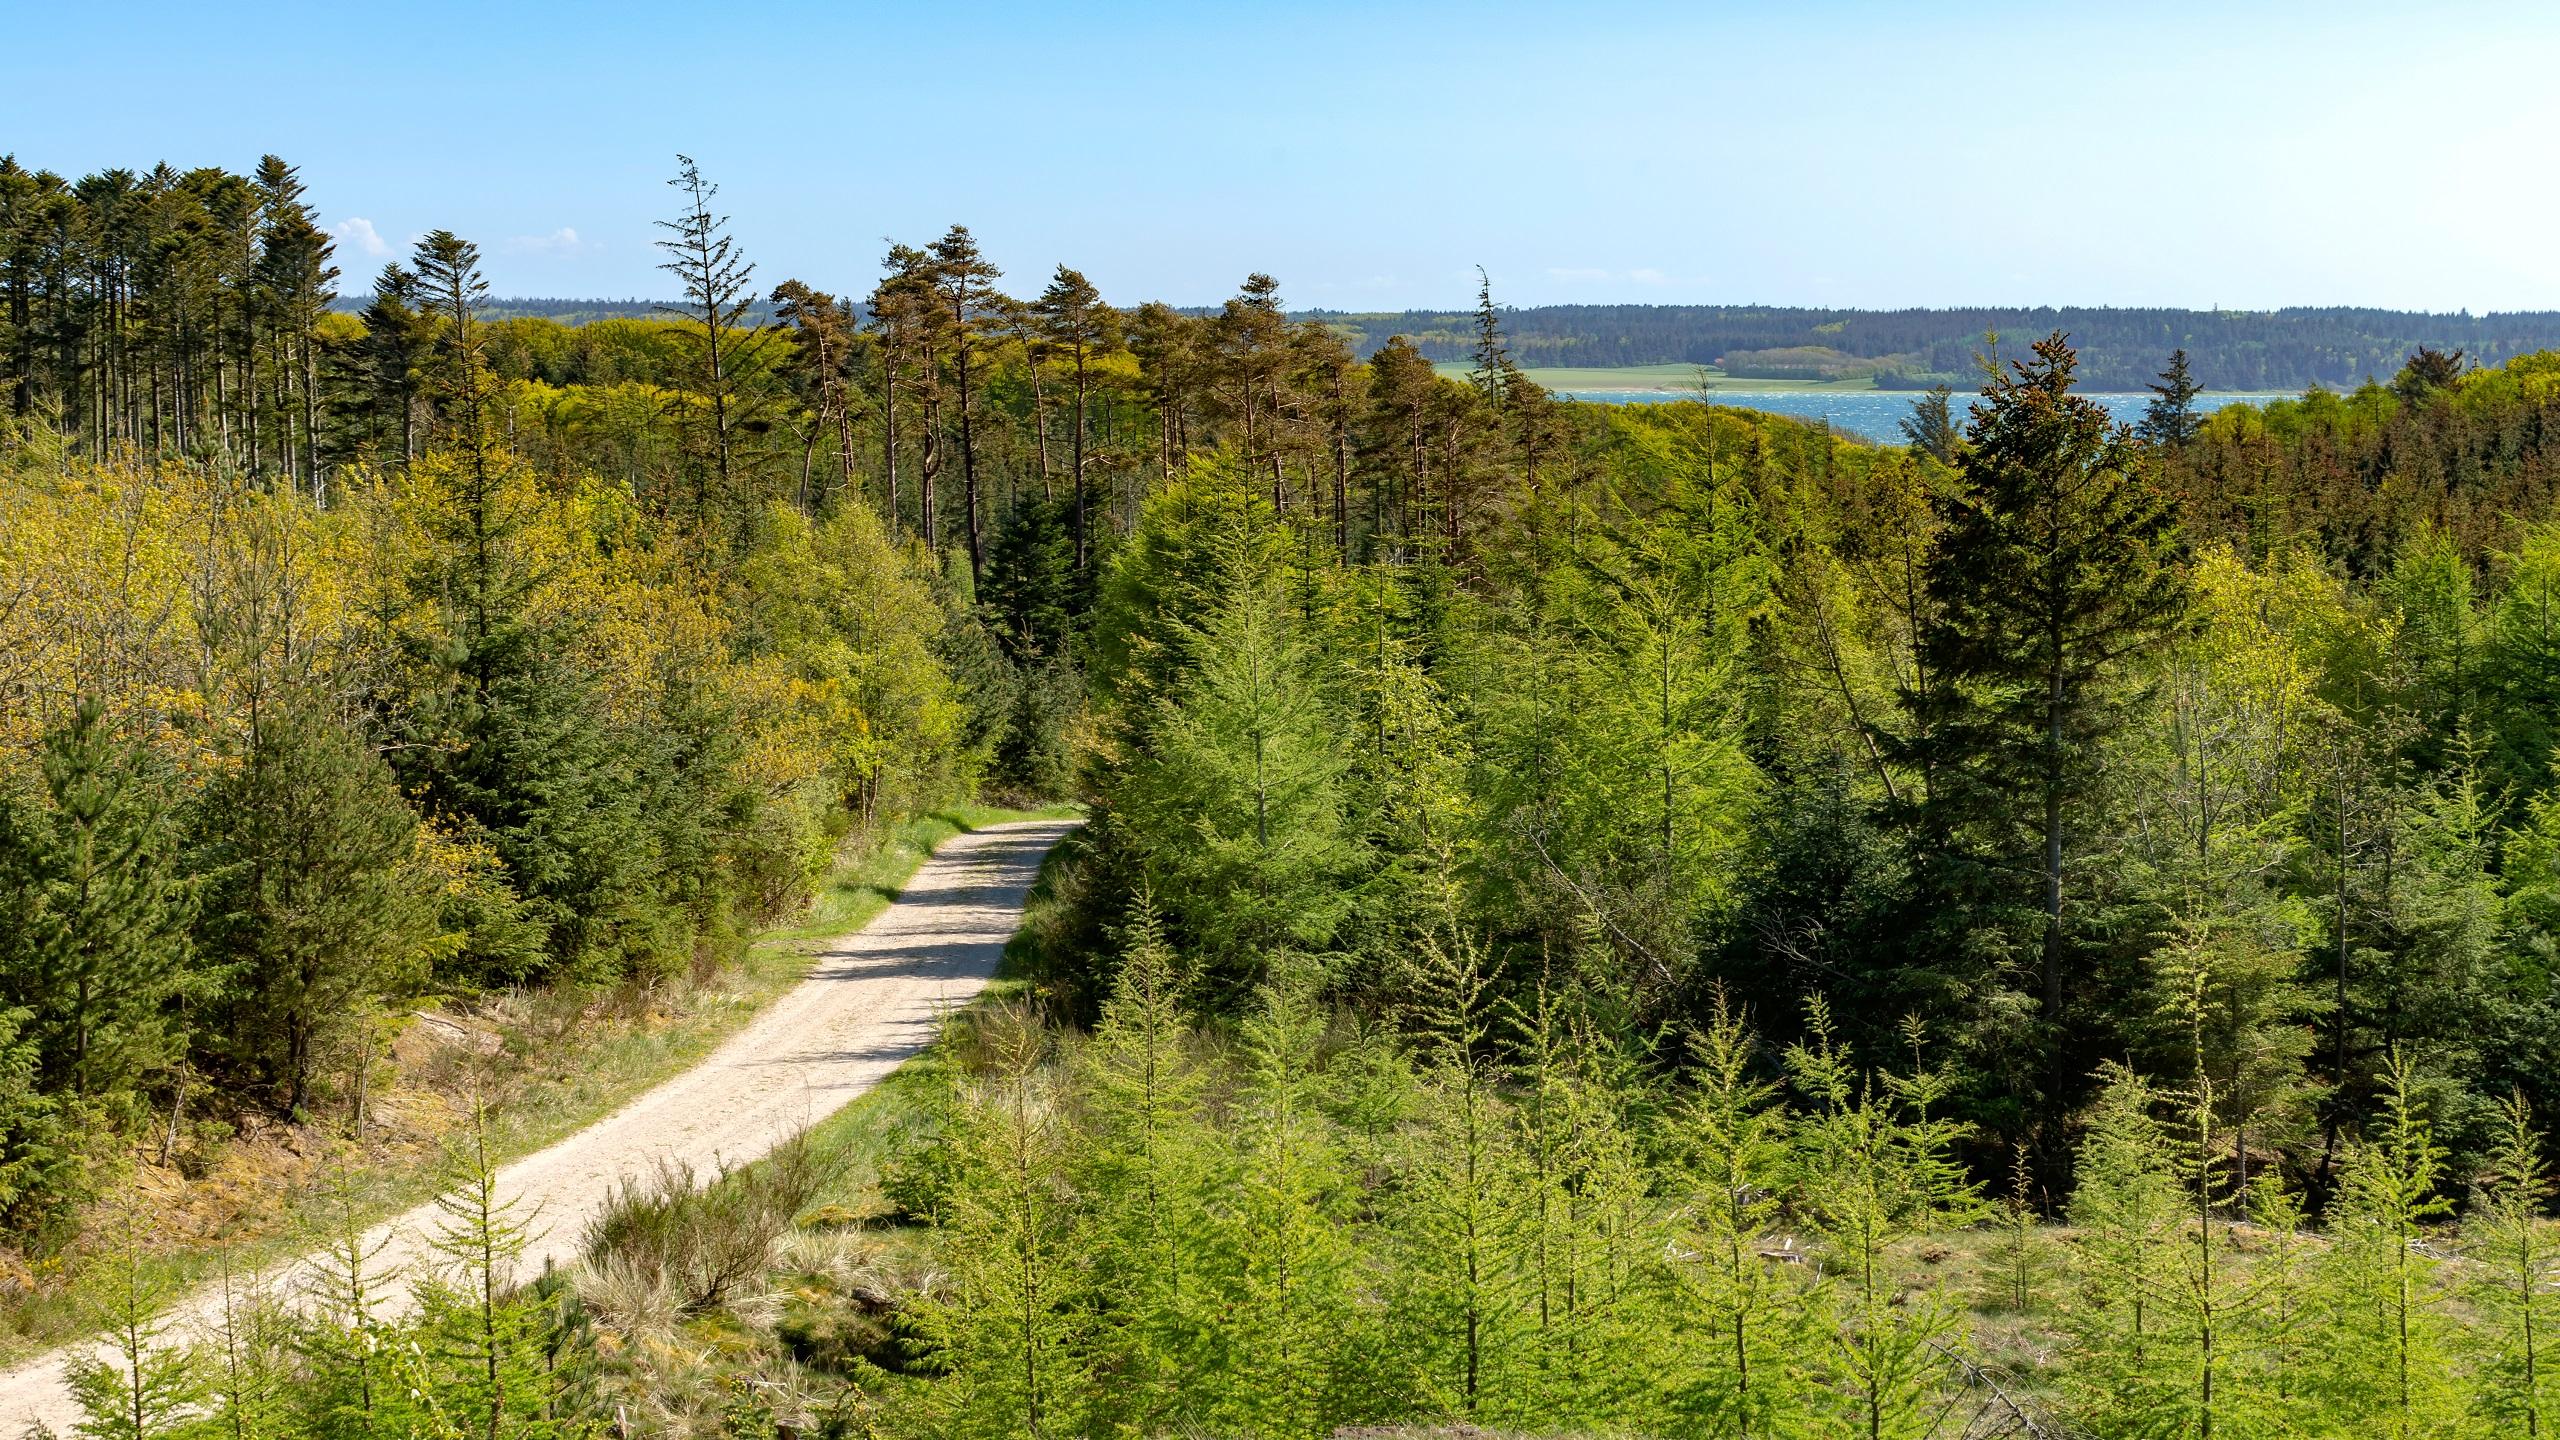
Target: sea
1873	414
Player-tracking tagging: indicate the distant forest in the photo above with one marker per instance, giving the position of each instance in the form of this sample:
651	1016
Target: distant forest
2291	349
2279	350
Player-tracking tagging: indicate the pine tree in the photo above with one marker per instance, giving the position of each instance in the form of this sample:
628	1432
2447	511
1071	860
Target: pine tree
963	281
93	914
1075	321
905	319
822	336
316	913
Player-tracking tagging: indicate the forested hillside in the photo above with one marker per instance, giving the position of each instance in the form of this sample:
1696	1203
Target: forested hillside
1587	911
2120	349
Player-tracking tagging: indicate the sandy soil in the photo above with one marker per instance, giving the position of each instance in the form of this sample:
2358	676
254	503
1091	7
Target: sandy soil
872	1000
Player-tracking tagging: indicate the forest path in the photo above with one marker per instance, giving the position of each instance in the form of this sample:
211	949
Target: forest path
871	1000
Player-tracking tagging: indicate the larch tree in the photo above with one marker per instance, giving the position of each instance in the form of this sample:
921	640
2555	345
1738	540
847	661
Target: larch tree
718	282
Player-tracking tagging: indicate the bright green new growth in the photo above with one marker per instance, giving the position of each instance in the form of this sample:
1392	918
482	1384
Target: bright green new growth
2518	1284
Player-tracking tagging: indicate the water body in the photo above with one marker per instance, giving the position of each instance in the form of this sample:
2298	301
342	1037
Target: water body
1871	414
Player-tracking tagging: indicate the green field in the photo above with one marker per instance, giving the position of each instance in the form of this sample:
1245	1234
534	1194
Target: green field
1676	378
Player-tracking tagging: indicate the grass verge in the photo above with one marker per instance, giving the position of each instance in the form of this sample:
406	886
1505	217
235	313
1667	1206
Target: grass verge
566	1060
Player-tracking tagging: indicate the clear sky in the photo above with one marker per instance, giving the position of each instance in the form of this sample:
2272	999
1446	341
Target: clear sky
1371	155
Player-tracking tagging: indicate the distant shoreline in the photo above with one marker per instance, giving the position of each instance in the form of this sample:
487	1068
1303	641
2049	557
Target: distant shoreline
1680	380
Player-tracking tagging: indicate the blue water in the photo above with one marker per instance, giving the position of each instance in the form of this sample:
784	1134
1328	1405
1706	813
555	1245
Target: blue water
1869	414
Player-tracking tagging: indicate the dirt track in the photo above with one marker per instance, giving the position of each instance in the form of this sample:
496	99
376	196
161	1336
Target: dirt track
871	1001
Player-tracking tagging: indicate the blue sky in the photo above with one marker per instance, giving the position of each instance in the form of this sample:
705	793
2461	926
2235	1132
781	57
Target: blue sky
1371	156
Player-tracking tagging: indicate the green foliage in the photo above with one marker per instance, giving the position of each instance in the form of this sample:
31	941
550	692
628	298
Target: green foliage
473	1360
1144	1162
2057	563
315	913
1746	1370
137	1387
2388	1339
93	913
1004	1333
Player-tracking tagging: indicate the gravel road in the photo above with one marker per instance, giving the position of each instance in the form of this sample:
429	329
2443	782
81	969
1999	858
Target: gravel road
872	1000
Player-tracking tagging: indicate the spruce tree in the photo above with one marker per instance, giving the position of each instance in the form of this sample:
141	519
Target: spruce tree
2170	420
1931	426
2057	568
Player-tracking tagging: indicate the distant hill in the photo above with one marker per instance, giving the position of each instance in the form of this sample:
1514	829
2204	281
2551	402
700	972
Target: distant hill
568	310
2119	349
2280	350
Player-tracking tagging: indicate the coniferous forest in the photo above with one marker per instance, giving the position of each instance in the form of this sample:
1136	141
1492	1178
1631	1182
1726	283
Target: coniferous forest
1630	920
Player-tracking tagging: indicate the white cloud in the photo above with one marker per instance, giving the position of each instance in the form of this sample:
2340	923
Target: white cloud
358	232
563	241
1647	275
1575	272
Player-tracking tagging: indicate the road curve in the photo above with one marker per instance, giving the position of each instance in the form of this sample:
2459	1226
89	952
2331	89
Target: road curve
873	999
